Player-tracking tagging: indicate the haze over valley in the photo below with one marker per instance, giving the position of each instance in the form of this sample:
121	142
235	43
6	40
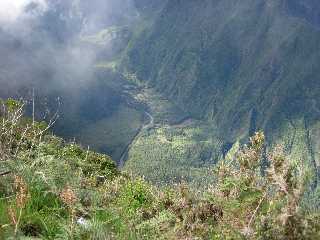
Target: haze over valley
160	119
209	80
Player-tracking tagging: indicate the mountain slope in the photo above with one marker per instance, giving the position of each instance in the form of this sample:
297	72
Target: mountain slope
242	65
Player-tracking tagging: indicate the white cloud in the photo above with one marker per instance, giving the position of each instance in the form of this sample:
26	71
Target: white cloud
10	10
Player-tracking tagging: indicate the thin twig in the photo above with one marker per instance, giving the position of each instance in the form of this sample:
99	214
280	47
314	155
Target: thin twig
33	107
5	173
256	210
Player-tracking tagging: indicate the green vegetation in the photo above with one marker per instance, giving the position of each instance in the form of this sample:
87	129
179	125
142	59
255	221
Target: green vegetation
162	110
211	73
171	153
105	36
50	189
242	66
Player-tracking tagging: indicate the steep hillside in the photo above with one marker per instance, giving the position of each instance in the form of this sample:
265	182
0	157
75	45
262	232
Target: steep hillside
242	65
80	194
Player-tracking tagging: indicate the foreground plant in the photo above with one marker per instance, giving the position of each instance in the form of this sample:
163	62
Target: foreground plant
69	198
22	196
262	204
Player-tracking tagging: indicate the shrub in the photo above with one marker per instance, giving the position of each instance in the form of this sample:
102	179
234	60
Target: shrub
135	195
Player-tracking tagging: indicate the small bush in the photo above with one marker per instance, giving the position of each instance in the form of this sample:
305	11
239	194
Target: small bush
135	195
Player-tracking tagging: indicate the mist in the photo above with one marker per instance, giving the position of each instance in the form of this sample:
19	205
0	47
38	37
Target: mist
42	40
42	49
10	10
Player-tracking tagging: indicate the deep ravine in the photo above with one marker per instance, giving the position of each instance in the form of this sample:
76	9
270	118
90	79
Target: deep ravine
147	126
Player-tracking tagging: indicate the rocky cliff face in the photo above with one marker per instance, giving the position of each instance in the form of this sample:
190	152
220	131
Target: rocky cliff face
243	65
